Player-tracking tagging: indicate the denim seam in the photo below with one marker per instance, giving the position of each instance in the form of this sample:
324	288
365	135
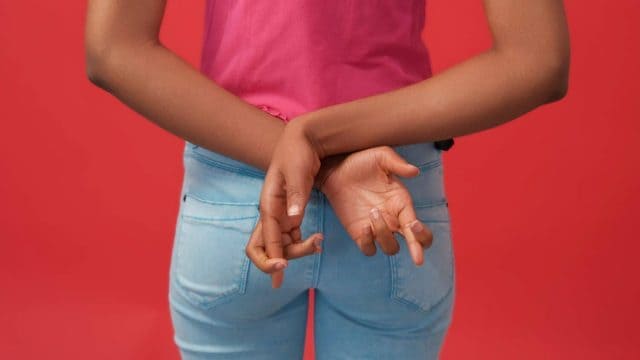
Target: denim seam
221	165
260	175
431	204
408	300
393	276
176	305
430	164
209	220
244	276
318	260
207	302
253	203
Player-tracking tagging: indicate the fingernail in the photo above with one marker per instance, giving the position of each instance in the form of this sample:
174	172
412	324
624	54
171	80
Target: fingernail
375	213
416	227
279	266
293	210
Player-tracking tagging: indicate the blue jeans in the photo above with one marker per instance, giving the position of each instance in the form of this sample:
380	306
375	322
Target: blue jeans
379	307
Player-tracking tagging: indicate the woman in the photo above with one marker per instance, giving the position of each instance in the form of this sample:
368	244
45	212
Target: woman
327	109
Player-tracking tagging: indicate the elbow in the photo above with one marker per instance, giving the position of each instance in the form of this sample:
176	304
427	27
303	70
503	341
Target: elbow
102	62
105	60
92	72
556	77
547	75
96	59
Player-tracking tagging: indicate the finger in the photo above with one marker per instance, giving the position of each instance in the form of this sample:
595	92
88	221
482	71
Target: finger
298	193
408	220
396	164
256	253
417	236
273	246
365	241
310	246
415	247
271	229
422	233
296	235
286	240
383	236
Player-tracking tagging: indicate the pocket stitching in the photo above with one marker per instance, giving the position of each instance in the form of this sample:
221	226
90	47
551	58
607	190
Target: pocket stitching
410	300
432	204
214	202
430	165
204	301
203	159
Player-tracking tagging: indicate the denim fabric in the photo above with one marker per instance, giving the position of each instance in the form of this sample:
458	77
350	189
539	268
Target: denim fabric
379	307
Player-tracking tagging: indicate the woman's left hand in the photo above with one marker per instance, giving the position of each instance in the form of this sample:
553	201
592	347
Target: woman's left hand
286	190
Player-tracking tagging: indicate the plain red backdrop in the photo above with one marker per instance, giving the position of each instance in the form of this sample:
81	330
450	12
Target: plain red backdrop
545	209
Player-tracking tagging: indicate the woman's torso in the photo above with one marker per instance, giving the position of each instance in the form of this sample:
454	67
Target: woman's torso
290	57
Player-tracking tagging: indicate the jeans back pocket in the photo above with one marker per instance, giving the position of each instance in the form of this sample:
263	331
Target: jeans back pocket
211	264
425	286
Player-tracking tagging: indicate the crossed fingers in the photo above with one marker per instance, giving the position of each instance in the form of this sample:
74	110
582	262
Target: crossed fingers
380	231
291	244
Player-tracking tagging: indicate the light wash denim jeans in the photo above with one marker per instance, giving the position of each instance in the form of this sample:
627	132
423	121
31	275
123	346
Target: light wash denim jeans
379	307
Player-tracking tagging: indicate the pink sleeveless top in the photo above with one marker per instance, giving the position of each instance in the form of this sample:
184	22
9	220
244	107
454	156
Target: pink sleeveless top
290	57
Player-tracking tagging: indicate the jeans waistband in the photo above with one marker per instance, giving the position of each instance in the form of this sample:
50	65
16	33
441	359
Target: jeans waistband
424	155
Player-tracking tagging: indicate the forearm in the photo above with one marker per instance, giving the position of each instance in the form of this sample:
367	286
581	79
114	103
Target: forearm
482	92
168	91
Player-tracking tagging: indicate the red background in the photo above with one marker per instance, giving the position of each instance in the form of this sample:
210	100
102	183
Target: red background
545	208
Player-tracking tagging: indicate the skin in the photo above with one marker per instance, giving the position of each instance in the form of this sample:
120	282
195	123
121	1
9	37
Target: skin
362	181
125	57
526	67
368	179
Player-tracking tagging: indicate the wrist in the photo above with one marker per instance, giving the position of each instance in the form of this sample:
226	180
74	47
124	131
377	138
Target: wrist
329	165
321	178
307	125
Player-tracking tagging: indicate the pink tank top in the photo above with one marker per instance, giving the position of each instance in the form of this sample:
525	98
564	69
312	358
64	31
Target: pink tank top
290	57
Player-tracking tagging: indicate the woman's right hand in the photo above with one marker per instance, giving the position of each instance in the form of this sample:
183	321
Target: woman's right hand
366	180
354	184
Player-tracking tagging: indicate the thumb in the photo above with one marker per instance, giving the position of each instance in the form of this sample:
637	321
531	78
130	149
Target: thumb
396	164
298	193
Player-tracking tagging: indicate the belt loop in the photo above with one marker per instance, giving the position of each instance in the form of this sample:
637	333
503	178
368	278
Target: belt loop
444	145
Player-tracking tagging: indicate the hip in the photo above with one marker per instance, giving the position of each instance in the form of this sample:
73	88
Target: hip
219	210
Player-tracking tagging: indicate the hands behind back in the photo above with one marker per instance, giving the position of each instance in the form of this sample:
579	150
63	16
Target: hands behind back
366	180
286	190
362	181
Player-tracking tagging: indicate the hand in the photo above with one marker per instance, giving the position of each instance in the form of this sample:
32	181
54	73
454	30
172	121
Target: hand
366	180
292	249
288	182
329	164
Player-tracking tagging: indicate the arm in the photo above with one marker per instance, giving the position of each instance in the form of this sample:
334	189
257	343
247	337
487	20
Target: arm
526	67
125	57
